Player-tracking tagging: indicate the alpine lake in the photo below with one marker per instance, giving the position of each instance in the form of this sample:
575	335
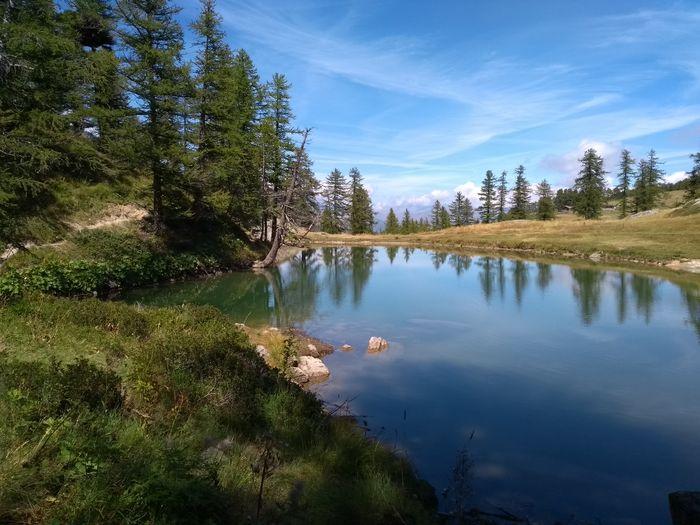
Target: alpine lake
562	392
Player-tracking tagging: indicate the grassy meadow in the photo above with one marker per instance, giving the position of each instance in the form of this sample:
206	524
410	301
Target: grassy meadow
661	237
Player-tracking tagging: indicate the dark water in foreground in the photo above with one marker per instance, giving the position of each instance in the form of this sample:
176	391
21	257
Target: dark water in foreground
579	387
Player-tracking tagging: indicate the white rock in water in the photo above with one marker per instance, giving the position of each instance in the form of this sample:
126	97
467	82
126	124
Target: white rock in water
377	344
314	368
346	348
313	351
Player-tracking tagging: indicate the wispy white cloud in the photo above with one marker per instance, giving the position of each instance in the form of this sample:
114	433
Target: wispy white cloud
474	102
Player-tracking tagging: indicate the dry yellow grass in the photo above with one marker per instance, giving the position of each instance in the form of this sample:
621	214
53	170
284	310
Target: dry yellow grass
657	238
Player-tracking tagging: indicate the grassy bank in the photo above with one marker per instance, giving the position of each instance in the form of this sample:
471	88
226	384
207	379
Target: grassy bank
98	261
659	239
114	414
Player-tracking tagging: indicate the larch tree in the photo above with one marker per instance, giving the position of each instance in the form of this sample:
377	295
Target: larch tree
520	200
213	104
104	110
648	182
337	203
590	185
152	41
461	210
277	109
445	220
361	213
625	176
545	202
392	223
42	112
242	180
487	196
407	223
435	218
502	196
692	192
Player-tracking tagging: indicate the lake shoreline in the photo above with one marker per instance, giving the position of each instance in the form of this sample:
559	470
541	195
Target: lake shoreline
662	240
689	267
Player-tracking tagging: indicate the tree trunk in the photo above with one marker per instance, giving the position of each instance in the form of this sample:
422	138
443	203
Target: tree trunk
280	230
157	200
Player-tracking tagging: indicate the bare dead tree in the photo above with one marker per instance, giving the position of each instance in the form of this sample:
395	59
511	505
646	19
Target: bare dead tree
283	219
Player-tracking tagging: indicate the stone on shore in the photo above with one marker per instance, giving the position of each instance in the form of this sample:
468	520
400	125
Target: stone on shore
377	344
314	368
297	375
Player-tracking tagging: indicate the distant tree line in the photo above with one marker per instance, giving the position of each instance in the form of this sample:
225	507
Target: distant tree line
96	90
639	187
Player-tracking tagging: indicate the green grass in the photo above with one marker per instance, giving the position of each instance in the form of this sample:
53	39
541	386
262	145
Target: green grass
81	201
118	414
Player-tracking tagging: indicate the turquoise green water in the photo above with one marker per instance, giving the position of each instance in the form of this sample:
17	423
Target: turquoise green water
575	390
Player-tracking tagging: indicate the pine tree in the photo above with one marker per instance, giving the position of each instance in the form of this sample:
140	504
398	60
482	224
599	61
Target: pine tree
392	223
521	195
648	182
276	108
226	93
590	185
435	218
692	192
502	196
407	223
337	198
361	214
243	181
461	211
640	190
445	221
153	43
545	203
42	102
487	196
104	111
468	212
214	84
625	177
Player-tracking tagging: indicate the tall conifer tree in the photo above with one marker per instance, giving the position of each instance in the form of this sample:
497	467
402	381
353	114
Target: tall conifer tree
487	196
545	202
153	44
521	195
590	185
361	213
461	210
624	177
337	205
502	196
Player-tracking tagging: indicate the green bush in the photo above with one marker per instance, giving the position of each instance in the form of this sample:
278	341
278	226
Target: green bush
83	277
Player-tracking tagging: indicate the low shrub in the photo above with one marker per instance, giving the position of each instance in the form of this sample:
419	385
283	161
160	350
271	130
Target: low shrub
83	277
176	428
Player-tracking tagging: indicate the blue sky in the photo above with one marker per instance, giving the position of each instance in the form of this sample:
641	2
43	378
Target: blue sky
424	97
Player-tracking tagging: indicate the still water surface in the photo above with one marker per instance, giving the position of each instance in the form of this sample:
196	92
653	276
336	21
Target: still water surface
575	389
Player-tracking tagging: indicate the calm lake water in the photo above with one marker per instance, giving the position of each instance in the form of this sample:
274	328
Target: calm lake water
575	390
